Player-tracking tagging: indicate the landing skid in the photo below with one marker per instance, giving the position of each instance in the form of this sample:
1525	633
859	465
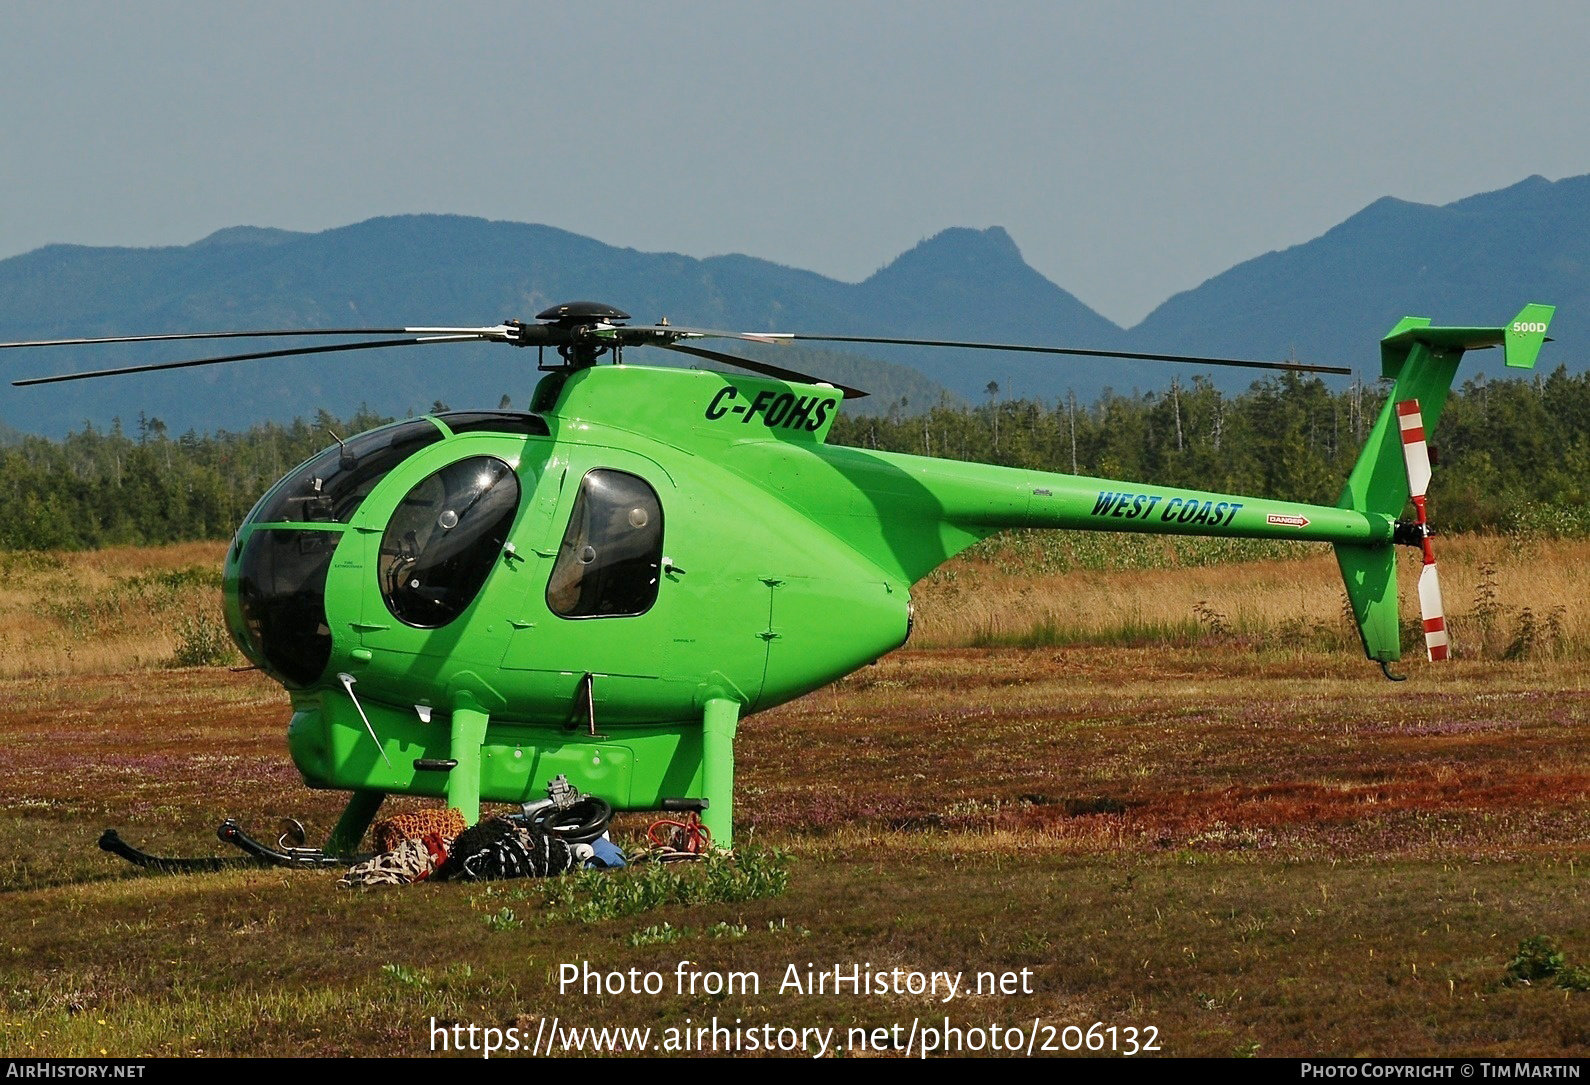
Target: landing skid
284	854
112	842
287	852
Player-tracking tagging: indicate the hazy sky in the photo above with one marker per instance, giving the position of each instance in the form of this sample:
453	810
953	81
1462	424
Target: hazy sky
1131	149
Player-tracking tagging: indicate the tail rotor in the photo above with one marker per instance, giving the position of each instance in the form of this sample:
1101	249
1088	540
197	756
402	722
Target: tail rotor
1416	457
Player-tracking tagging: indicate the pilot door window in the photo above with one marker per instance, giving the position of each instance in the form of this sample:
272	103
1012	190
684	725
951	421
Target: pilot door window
611	554
444	539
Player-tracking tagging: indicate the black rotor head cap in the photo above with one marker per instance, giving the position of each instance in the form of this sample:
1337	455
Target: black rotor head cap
582	312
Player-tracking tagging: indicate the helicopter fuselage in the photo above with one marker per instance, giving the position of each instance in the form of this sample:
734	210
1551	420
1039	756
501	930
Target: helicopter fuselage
588	588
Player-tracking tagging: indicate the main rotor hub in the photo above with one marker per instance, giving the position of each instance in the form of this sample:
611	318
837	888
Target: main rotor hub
579	319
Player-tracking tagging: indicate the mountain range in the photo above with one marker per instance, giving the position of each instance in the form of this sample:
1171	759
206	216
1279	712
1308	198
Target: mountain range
1474	261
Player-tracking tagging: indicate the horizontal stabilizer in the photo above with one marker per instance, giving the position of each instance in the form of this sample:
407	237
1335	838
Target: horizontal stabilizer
1520	339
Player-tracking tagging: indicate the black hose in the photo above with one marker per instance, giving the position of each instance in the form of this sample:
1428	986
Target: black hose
580	823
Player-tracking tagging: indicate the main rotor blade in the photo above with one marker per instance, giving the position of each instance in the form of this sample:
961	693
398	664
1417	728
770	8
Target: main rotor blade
201	335
649	333
760	367
499	331
290	352
1240	363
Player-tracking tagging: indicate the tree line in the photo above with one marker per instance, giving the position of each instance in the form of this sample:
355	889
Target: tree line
110	487
1513	455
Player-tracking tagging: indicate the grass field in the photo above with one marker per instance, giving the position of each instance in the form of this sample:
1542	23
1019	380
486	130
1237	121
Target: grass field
1213	824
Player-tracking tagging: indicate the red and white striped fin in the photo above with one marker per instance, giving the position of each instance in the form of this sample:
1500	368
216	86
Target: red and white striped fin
1435	642
1415	452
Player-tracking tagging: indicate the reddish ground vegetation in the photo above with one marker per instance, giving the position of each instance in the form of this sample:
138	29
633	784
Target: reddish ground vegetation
1166	749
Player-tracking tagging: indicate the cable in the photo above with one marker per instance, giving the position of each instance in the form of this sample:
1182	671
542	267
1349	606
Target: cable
579	823
675	839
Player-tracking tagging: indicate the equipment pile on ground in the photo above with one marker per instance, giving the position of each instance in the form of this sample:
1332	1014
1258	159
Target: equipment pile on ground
564	832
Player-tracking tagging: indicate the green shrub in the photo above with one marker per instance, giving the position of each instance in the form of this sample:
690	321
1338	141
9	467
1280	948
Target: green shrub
203	642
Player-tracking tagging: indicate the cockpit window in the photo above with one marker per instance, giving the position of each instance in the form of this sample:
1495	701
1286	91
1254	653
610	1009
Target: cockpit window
329	488
608	563
532	425
444	538
281	593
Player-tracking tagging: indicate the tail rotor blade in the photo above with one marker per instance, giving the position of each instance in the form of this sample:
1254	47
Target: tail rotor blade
1415	451
1416	458
1433	612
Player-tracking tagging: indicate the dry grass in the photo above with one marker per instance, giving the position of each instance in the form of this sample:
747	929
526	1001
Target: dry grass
1504	597
102	611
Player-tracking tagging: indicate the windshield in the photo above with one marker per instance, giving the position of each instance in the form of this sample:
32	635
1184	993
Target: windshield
329	488
281	596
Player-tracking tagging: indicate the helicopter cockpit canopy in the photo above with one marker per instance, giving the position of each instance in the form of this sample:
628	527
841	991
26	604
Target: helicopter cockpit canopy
436	551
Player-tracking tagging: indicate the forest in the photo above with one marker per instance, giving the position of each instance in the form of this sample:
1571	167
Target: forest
1513	455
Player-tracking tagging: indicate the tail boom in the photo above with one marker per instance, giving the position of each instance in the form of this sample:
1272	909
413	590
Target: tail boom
1102	505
